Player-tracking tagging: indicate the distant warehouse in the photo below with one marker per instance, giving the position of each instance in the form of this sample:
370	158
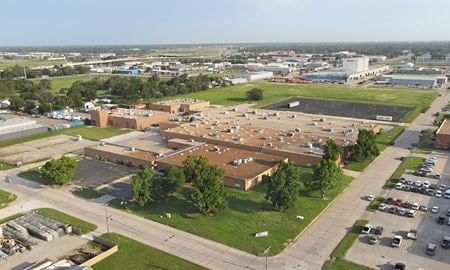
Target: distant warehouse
19	127
412	81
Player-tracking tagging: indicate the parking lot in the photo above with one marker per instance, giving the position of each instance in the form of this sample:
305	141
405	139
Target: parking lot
412	252
112	179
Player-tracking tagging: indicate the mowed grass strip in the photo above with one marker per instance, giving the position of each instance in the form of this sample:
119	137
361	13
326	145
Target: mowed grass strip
338	262
410	163
84	226
248	213
87	132
6	198
35	176
275	92
87	193
375	203
135	255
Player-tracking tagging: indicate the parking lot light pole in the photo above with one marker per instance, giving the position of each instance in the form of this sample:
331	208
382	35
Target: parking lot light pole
107	218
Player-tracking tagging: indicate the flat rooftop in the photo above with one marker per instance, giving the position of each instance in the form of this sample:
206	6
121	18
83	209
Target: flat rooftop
267	128
179	101
224	157
134	113
17	124
126	151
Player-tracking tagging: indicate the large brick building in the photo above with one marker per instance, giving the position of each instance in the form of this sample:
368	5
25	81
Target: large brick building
128	118
179	105
443	136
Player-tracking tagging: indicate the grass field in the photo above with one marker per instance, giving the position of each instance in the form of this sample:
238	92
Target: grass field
30	63
383	140
137	256
247	213
6	198
67	81
87	132
338	262
273	92
85	227
87	193
410	163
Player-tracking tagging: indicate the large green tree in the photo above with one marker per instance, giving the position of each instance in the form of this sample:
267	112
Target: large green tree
208	194
142	186
365	147
193	167
283	186
174	179
332	150
61	171
255	94
326	173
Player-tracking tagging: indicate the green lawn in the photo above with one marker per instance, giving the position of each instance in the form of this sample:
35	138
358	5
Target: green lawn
247	213
137	256
5	166
232	95
410	163
87	193
30	63
85	227
338	262
383	140
87	132
59	82
6	198
375	203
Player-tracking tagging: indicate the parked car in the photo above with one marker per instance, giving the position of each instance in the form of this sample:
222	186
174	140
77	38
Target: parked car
378	230
431	249
398	202
393	210
382	207
367	228
389	200
424	208
415	206
441	220
426	184
400	266
398	186
433	186
434	209
445	242
412	234
447	194
418	183
448	212
397	240
373	239
438	194
370	197
406	188
402	211
409	182
442	187
411	213
430	192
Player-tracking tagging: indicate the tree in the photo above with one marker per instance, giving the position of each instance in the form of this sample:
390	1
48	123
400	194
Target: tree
174	180
193	166
208	194
283	186
365	147
61	171
142	186
255	94
331	150
326	173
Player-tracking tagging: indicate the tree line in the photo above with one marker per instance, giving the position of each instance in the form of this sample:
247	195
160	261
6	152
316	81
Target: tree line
17	71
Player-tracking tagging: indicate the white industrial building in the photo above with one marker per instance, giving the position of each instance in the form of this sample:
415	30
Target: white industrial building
272	67
250	76
412	81
356	64
19	127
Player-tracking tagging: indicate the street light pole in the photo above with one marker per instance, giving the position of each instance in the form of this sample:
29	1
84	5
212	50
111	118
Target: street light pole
107	219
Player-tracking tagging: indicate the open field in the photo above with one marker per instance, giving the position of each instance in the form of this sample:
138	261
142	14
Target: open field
135	255
6	198
342	108
410	163
30	63
85	227
338	262
67	81
247	213
87	132
273	93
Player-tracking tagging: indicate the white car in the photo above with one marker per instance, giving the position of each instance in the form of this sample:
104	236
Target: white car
434	209
418	183
415	206
402	211
426	184
397	240
438	194
370	197
398	186
382	207
367	229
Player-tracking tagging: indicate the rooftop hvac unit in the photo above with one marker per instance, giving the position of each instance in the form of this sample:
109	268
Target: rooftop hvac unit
132	149
323	119
314	124
160	155
294	116
298	130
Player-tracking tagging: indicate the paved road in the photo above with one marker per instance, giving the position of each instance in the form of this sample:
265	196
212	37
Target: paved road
309	251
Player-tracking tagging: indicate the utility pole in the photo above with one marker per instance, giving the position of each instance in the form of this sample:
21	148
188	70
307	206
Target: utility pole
107	219
24	72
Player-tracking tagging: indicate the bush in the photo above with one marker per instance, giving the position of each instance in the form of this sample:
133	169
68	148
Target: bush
255	94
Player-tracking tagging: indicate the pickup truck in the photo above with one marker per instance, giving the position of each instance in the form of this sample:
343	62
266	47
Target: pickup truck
412	234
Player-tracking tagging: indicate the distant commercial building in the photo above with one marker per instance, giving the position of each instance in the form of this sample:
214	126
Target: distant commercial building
377	58
334	76
179	105
274	67
236	80
412	81
404	70
255	76
127	118
354	65
19	127
127	71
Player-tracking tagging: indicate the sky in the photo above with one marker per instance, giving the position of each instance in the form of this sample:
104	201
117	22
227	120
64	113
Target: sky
110	22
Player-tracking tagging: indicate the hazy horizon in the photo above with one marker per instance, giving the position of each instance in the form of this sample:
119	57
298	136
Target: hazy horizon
176	22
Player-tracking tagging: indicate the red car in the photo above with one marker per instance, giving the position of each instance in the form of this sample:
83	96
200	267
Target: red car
398	202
